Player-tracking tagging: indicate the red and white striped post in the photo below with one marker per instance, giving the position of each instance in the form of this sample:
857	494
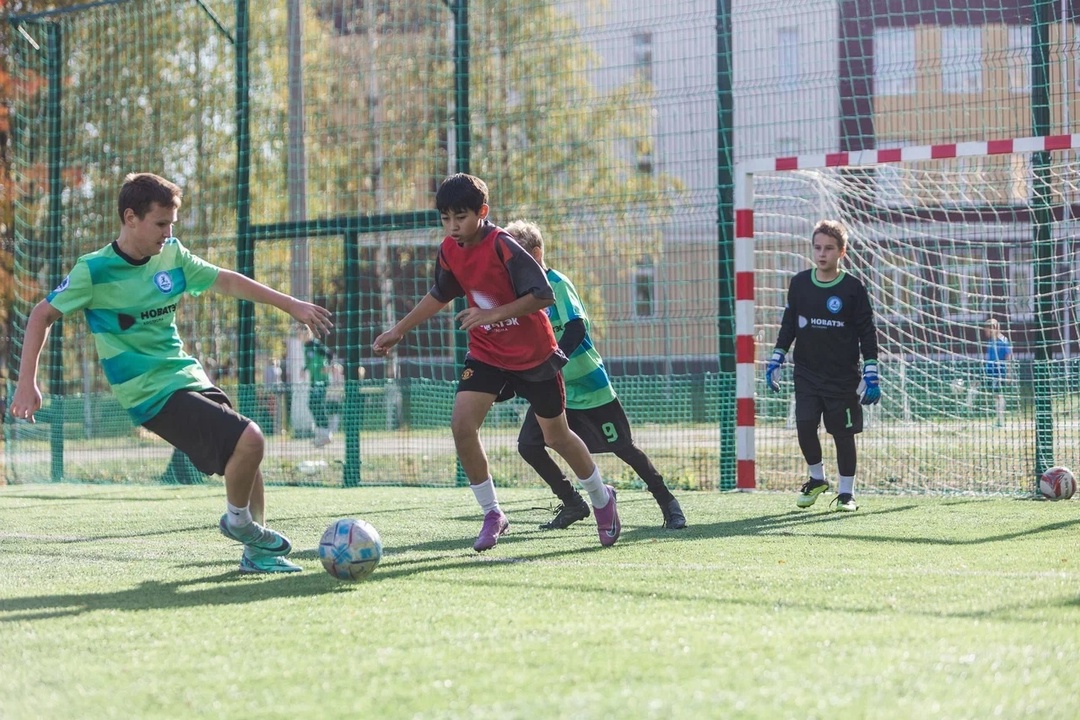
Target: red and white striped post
745	351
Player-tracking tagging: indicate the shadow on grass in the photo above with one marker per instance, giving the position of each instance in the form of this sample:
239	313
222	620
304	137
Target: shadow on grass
225	588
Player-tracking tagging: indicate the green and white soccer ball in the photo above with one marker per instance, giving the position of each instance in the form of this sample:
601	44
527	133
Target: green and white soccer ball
350	549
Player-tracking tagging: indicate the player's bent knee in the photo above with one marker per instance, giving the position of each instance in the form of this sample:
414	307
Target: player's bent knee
251	440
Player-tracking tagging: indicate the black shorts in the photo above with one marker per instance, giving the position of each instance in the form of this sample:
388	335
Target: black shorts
203	425
542	385
843	415
604	429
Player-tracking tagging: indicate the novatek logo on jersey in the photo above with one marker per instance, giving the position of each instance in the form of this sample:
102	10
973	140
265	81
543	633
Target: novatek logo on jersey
63	285
163	280
823	323
486	302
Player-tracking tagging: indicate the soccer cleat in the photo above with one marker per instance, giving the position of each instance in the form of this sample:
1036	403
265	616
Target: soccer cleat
844	502
253	562
673	515
254	535
567	514
808	493
495	524
607	520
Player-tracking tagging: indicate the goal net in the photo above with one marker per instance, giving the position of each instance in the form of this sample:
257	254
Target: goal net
945	238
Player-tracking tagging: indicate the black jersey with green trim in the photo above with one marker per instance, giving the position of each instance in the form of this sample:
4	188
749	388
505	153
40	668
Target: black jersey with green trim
830	323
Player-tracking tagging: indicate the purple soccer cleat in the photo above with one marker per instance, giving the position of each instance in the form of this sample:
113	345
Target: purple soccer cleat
495	524
607	520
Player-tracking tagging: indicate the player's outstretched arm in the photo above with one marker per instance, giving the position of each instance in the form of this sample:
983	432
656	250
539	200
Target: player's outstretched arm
424	309
242	287
27	398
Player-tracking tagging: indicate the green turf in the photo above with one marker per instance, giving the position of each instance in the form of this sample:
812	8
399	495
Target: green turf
124	603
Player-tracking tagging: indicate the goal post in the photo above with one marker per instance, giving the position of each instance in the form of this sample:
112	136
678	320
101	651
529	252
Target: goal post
945	237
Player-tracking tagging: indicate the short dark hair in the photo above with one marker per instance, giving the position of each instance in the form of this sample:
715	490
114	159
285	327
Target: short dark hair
141	190
461	192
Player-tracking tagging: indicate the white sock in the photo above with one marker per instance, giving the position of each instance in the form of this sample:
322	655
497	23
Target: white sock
238	516
847	485
485	495
817	472
594	485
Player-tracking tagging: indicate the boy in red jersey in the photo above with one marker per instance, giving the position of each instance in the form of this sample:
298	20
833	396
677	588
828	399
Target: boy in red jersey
511	343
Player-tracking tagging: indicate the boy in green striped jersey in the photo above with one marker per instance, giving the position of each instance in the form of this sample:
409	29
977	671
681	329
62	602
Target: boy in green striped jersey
129	292
593	411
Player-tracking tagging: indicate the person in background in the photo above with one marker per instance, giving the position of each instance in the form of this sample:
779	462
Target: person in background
996	368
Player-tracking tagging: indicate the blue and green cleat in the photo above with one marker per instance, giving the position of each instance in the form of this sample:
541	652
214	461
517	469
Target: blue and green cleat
254	562
254	535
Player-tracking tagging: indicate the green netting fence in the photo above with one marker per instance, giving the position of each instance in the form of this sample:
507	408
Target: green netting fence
309	137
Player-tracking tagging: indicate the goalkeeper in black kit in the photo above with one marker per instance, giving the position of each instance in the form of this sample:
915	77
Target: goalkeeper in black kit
830	320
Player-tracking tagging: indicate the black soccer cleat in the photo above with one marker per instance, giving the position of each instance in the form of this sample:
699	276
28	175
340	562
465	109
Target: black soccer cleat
567	514
673	515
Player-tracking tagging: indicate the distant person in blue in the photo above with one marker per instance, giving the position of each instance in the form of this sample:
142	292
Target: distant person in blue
998	353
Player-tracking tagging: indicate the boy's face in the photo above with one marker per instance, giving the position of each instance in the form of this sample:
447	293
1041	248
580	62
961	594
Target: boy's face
149	233
464	225
827	252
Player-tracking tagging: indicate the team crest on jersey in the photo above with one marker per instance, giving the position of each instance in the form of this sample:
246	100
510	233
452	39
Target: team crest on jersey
834	304
163	280
63	285
467	374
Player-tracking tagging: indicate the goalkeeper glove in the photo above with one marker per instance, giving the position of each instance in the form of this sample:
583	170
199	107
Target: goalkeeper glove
870	387
772	370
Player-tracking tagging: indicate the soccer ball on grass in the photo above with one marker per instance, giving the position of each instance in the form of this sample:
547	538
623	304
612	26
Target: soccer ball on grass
350	549
1057	483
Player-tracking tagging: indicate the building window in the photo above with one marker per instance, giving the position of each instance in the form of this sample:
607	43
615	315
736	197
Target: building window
903	292
966	290
893	186
645	289
1021	185
643	56
1021	285
1019	58
644	154
787	56
1071	50
961	59
894	61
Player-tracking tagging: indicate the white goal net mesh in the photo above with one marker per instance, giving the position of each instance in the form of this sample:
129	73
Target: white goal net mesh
942	246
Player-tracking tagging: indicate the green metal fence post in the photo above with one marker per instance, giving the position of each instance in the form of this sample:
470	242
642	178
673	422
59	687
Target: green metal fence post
53	238
1043	244
245	244
462	152
350	320
725	208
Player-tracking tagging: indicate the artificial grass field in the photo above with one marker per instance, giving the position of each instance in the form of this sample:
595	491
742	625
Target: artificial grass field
124	602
